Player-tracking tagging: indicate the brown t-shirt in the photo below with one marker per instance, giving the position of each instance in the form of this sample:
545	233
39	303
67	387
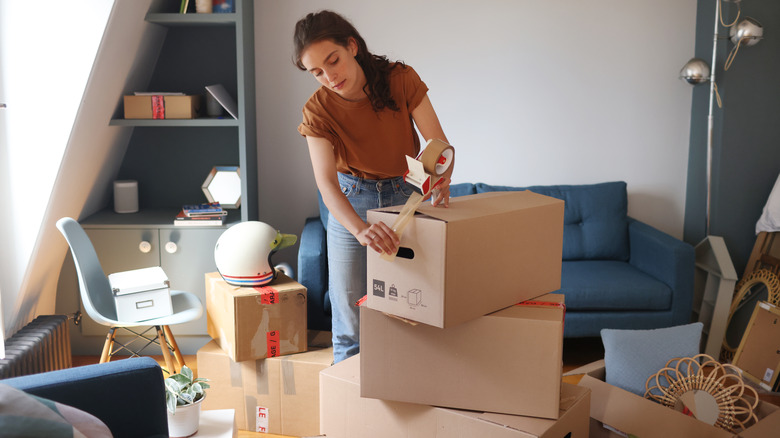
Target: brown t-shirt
366	143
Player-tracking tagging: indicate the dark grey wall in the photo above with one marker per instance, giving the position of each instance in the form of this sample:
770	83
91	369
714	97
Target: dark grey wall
746	135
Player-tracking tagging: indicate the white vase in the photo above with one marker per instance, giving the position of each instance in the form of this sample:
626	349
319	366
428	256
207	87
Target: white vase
185	421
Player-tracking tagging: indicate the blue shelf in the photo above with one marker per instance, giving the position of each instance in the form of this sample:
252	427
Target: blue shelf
168	19
203	122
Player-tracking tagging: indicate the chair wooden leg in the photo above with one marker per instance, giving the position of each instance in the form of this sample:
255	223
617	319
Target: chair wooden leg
165	352
105	356
175	347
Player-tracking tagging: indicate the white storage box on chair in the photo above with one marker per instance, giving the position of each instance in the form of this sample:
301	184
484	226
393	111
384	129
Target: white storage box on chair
141	294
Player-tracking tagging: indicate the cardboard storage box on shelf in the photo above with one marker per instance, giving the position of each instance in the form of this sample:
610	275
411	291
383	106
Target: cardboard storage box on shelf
276	395
631	414
508	361
345	414
253	323
141	294
483	253
173	107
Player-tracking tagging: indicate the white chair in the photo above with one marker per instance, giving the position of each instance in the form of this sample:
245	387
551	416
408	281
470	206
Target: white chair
98	300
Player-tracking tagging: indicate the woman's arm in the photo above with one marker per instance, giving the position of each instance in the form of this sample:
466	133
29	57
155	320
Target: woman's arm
428	123
378	236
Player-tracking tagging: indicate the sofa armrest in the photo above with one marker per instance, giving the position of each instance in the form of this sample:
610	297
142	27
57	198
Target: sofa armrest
313	272
120	393
668	259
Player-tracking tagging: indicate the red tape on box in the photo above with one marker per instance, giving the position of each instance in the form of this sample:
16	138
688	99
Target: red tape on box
158	106
268	295
545	304
272	340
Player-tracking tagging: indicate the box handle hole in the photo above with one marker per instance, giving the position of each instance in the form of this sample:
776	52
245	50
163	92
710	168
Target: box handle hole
405	253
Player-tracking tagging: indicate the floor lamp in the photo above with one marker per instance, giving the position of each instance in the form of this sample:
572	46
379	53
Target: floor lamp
715	274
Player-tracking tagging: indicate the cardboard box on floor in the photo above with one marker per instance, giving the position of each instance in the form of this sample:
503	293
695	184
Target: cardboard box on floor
509	361
483	253
253	323
758	355
345	414
631	414
275	395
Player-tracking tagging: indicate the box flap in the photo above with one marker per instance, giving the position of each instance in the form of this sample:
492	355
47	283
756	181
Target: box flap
138	280
632	414
481	204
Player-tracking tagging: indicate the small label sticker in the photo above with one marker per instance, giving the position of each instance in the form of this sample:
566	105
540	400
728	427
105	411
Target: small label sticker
268	295
379	288
272	339
768	374
261	419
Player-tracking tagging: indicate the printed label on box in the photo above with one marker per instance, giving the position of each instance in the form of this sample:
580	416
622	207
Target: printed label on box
768	375
272	339
379	288
261	419
268	295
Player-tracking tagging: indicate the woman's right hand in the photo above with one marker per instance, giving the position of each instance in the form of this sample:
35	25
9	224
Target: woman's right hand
379	237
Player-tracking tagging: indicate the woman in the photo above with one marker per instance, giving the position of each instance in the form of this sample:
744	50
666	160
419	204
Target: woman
359	128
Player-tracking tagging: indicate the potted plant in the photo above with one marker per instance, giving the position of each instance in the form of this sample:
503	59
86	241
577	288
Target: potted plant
183	394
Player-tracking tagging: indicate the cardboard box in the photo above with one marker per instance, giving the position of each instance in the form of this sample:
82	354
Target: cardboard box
483	253
277	395
758	355
141	294
253	323
173	107
345	414
509	361
631	414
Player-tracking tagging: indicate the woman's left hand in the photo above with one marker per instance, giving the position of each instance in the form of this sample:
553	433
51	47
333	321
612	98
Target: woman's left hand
441	193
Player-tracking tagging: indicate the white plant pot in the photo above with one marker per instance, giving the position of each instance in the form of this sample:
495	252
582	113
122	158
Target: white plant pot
184	423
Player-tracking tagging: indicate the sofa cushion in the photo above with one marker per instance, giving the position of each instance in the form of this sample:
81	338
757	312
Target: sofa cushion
611	285
462	189
595	221
632	356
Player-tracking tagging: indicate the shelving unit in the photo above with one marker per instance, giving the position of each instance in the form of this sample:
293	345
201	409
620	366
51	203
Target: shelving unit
170	159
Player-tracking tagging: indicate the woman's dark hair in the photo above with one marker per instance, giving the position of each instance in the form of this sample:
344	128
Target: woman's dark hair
328	25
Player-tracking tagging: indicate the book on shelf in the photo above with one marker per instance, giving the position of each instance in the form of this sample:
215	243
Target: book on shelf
182	220
206	209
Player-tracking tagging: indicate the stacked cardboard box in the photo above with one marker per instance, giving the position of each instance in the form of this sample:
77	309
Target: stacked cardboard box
257	362
459	332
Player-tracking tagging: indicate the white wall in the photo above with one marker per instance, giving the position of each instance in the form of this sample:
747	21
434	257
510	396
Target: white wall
46	54
529	92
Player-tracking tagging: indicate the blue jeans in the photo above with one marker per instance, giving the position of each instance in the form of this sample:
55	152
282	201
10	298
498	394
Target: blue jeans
347	257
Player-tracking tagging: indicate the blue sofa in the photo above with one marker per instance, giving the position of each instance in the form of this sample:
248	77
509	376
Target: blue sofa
617	272
127	395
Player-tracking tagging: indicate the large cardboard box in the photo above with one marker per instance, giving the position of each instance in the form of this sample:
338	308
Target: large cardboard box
345	414
253	323
173	107
483	253
509	361
628	413
276	395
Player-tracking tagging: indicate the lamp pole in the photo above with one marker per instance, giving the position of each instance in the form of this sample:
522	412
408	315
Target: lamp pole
710	118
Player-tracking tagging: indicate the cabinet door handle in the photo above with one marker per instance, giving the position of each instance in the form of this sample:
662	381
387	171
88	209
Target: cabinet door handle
171	247
144	247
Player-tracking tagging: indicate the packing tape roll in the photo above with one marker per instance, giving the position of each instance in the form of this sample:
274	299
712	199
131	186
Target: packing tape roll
437	158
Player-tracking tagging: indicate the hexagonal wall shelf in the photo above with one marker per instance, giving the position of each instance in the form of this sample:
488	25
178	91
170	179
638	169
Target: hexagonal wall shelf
223	185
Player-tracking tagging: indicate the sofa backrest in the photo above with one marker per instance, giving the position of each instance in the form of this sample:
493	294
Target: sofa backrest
595	221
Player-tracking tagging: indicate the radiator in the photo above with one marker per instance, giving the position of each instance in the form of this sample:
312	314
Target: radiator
42	345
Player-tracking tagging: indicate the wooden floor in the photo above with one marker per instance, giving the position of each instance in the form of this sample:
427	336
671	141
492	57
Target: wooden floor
576	353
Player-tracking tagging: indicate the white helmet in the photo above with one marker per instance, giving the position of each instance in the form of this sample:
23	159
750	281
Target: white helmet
243	253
